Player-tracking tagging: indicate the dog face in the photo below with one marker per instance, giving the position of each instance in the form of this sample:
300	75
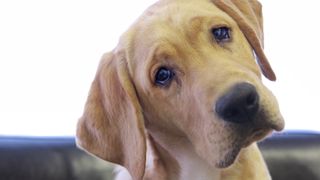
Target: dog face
184	63
185	69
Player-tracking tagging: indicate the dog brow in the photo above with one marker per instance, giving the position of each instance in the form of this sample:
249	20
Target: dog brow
194	27
202	23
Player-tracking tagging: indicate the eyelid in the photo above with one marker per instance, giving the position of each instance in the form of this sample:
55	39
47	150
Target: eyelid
215	26
165	55
159	59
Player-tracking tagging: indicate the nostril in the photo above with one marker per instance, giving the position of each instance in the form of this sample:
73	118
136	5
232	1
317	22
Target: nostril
252	99
231	113
240	104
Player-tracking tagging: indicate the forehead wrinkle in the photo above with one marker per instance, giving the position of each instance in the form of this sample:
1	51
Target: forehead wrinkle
194	27
166	37
177	46
179	30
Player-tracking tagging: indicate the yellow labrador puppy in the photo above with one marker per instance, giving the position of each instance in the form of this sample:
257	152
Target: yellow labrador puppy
181	97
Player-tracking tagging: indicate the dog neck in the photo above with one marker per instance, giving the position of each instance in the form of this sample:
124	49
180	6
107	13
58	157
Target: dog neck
176	161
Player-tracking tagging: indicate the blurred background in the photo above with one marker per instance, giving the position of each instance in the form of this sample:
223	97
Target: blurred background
49	52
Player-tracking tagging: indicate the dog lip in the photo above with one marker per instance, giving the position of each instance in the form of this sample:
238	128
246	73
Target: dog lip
260	134
257	135
229	159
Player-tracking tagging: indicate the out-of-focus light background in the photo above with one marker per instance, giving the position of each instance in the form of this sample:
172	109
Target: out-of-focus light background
49	52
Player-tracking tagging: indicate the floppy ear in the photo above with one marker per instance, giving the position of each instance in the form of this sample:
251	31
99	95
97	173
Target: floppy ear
248	15
112	125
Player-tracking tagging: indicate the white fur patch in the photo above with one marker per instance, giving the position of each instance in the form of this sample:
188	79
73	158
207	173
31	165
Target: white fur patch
121	173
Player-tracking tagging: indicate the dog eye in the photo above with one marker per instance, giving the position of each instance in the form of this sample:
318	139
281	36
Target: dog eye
163	76
221	34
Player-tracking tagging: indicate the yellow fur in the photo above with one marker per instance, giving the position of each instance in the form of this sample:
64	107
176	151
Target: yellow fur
172	133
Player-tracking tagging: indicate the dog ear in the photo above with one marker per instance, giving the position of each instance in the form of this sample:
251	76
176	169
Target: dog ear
112	126
248	15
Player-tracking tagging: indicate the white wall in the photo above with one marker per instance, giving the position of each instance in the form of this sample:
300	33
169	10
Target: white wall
292	36
49	52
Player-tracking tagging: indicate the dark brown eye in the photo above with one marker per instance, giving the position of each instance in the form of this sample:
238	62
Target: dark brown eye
163	76
221	34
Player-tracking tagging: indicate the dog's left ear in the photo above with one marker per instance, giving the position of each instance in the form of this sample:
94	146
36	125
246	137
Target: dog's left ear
248	15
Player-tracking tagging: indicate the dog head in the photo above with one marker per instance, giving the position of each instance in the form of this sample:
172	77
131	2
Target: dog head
186	69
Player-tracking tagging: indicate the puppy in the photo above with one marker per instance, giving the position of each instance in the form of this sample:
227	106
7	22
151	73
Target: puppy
181	96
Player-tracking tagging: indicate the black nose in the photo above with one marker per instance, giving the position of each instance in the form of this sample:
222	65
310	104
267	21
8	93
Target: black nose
239	105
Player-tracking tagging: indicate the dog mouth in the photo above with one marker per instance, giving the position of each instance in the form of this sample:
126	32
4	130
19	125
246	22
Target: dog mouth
231	155
264	124
244	140
229	158
242	135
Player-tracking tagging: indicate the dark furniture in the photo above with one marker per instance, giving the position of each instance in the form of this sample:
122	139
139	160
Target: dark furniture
289	155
